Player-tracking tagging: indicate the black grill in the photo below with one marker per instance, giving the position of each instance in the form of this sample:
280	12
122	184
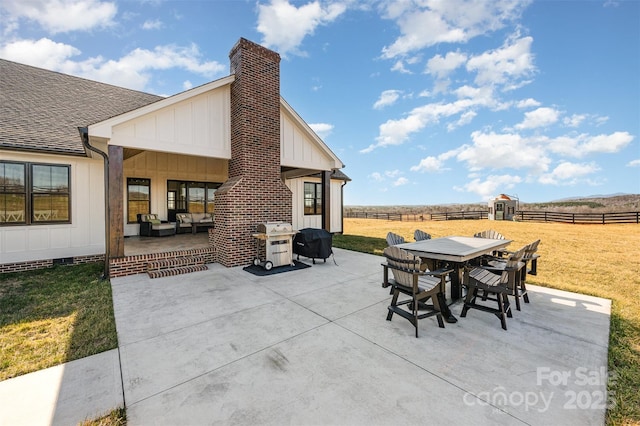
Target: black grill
313	243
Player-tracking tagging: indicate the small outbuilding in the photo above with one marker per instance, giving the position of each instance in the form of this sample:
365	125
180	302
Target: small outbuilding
503	207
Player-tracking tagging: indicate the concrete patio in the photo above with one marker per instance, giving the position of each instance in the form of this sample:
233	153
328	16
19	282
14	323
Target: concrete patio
313	347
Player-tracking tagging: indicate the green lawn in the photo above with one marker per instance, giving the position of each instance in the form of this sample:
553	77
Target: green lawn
51	316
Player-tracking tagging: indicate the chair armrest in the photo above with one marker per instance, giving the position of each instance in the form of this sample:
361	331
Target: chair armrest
498	270
438	272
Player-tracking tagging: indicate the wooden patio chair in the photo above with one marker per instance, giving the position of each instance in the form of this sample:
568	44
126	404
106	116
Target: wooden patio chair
515	266
489	233
419	285
495	287
530	258
394	239
495	235
420	235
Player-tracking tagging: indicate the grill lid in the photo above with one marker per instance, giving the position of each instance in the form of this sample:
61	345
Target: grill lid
275	228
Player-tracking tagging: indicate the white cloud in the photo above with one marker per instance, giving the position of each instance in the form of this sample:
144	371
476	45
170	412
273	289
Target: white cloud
429	164
500	151
491	185
394	175
441	67
322	129
131	70
465	118
61	16
186	85
541	117
428	23
575	120
634	163
396	132
399	67
376	177
585	144
388	97
606	143
433	164
508	66
43	53
284	26
401	181
154	24
567	173
527	103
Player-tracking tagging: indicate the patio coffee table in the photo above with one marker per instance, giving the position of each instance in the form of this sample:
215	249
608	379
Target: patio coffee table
456	251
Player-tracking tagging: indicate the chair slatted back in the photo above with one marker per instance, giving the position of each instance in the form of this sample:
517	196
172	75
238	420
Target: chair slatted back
513	261
420	235
403	264
531	250
393	239
490	233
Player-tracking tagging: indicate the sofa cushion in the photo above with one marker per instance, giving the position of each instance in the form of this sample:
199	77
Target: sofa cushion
184	217
154	221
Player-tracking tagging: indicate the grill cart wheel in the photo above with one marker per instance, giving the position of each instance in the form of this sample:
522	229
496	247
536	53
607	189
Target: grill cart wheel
268	265
256	261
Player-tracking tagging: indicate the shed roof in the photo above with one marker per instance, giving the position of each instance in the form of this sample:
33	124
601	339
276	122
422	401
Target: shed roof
41	110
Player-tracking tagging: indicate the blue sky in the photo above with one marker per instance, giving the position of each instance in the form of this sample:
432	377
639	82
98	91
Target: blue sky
425	101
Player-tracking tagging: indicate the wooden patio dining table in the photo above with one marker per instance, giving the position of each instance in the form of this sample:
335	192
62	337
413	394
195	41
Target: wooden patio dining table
456	252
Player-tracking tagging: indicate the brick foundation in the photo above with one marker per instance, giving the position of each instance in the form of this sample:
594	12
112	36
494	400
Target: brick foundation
33	265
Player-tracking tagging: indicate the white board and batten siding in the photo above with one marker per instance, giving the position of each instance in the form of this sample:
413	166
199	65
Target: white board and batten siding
198	124
300	220
85	234
301	148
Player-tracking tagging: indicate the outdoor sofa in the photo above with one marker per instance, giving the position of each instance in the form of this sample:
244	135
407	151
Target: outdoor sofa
152	226
193	222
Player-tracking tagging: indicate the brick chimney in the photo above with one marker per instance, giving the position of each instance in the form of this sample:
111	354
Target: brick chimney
254	192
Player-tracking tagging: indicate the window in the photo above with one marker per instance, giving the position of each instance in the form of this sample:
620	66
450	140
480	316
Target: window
33	193
138	198
312	198
13	193
192	197
196	197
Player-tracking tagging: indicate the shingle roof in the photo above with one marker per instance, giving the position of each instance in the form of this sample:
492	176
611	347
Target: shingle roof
41	110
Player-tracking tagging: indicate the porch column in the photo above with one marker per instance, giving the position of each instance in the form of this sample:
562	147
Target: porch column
326	201
116	204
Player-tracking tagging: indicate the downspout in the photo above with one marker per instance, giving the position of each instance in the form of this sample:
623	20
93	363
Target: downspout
344	182
84	134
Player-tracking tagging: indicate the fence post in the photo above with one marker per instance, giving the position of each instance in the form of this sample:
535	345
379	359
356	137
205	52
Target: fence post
603	221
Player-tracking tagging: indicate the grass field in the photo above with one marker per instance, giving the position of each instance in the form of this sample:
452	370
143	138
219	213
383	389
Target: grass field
599	260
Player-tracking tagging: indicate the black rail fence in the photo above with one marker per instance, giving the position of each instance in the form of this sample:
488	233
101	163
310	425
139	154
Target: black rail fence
581	218
524	216
418	217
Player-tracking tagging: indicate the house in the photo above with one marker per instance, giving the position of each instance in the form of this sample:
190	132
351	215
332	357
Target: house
80	160
503	207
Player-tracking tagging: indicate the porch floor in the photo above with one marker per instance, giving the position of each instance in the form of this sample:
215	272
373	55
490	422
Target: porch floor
146	245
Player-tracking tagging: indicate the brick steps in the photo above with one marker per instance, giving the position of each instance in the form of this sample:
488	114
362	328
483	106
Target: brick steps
176	266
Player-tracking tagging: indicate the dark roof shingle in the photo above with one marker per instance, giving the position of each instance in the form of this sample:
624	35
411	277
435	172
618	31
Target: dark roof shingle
41	110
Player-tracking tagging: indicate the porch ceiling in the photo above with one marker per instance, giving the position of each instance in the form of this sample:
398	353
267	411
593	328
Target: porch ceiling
130	152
